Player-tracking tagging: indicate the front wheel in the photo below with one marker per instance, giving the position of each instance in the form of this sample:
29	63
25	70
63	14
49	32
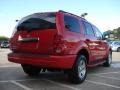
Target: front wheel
31	70
108	60
78	73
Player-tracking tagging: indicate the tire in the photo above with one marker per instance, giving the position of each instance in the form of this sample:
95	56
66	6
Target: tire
118	50
79	71
108	60
31	70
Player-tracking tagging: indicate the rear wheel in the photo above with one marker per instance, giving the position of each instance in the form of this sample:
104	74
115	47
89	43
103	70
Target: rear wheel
31	70
118	49
108	60
78	73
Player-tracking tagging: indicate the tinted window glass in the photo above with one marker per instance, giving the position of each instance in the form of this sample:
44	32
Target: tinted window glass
117	43
72	23
97	33
88	29
5	42
41	21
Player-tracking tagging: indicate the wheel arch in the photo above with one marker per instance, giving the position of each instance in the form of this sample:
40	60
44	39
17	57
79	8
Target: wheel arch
84	52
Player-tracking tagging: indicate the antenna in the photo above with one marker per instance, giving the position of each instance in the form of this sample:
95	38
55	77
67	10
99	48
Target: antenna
16	20
83	15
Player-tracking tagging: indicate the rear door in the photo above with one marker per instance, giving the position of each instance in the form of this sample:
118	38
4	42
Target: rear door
102	45
35	34
90	40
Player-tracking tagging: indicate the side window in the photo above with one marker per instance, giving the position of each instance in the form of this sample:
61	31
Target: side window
88	29
72	23
97	33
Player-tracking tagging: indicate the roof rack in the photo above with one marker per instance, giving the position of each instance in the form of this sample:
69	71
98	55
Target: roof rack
64	11
82	15
68	13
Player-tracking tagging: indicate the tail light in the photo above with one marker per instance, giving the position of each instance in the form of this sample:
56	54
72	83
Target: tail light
59	44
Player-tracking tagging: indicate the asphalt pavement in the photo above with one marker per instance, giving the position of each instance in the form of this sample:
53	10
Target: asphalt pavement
12	77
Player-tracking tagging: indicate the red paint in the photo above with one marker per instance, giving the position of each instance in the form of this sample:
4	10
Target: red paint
56	47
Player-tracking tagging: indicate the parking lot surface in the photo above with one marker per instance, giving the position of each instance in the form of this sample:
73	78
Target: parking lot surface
12	77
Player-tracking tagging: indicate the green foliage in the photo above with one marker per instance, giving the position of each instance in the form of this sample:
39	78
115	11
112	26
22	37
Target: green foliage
113	34
3	38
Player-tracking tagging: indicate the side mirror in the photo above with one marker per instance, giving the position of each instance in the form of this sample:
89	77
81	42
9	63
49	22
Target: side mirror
16	20
105	37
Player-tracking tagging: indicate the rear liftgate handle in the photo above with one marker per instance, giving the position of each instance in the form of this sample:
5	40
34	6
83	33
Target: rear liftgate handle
28	40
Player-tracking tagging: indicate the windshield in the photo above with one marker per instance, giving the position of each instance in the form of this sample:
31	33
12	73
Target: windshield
37	22
5	42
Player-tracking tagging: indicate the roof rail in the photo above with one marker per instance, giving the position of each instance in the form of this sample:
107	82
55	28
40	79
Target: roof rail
68	13
63	11
73	14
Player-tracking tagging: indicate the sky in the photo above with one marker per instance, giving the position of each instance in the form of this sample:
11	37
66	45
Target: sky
105	14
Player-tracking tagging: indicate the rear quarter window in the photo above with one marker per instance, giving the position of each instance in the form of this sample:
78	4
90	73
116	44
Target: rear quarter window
71	23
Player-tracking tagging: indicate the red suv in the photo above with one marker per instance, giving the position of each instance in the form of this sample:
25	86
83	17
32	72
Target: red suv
58	41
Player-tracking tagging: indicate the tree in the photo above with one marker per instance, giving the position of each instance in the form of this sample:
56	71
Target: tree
3	38
113	34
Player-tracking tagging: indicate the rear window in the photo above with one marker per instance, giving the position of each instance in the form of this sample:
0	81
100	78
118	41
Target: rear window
37	22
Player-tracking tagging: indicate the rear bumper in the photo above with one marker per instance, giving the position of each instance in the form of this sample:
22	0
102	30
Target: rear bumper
43	61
